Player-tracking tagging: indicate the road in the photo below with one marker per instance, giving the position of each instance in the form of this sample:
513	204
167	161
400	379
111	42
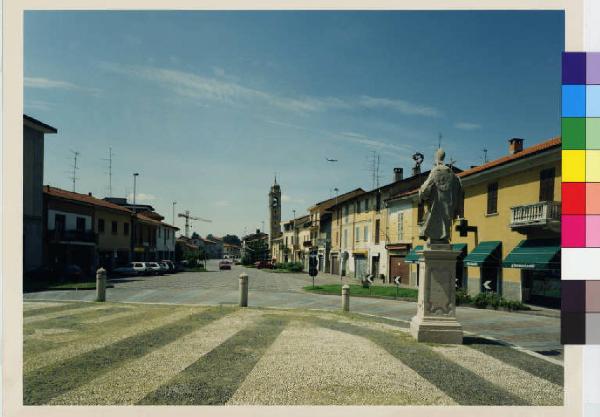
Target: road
268	289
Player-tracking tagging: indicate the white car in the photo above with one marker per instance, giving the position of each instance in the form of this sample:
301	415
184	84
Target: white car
154	268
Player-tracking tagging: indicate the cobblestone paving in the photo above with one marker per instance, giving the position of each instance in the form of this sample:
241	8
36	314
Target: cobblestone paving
267	289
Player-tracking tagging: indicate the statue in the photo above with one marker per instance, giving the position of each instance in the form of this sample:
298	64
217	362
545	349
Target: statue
442	192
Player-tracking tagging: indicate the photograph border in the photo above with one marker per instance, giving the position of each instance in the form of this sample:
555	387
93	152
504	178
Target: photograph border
12	207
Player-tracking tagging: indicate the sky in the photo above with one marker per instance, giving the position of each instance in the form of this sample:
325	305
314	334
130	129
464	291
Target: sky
208	106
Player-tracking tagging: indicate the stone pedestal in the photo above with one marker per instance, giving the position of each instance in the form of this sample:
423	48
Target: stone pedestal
435	321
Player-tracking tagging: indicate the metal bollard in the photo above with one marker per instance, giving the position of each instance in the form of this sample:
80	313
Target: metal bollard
101	284
346	298
243	290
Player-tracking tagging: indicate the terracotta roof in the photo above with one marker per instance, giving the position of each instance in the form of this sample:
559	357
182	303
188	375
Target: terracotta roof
83	198
339	199
144	218
229	245
532	150
551	143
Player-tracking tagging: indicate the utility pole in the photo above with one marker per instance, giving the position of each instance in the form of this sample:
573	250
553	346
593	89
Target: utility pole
135	175
75	168
109	159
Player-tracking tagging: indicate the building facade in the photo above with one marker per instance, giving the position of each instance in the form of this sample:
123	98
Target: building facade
33	200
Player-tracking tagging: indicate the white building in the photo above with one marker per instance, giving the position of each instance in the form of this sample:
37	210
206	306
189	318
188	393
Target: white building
165	241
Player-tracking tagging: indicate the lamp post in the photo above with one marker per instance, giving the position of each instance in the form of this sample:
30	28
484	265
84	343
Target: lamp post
135	175
294	238
174	202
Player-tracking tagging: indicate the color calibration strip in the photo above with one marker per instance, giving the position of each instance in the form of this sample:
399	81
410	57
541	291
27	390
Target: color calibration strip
580	223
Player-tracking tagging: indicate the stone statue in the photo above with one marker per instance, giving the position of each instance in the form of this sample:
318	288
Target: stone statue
442	192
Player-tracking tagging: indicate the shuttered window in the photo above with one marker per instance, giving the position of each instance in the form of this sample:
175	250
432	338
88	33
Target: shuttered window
377	226
547	184
492	198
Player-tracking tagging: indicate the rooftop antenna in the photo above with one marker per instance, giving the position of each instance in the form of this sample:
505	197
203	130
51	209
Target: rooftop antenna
375	161
485	158
75	168
109	159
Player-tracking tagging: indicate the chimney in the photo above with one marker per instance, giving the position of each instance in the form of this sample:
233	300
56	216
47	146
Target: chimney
257	231
515	145
90	194
398	174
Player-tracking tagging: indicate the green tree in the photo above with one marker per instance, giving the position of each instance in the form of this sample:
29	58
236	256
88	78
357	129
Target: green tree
232	240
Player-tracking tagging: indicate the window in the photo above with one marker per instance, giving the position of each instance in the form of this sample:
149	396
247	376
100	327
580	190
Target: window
367	204
400	226
377	226
420	212
357	234
547	184
80	224
346	213
346	238
126	229
366	234
159	231
59	222
492	198
378	201
115	227
358	206
100	225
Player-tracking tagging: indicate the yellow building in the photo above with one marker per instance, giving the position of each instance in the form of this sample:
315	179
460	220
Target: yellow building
113	226
510	228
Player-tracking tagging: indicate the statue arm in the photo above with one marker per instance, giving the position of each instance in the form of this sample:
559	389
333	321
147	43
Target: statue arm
425	190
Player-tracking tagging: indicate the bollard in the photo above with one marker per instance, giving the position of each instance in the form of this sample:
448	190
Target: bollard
243	290
101	284
346	298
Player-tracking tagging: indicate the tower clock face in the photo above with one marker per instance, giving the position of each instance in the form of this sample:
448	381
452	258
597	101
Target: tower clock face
275	201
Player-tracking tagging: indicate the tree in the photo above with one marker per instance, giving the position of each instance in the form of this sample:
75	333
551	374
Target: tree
256	250
232	240
195	236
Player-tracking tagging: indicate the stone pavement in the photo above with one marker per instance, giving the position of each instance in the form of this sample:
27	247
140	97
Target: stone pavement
277	290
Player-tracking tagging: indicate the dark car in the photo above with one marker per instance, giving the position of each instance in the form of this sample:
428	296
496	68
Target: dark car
225	264
263	265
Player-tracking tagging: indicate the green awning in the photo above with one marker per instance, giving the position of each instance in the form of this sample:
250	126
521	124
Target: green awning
460	247
413	256
534	254
485	252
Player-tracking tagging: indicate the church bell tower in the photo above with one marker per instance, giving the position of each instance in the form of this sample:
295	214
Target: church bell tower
274	212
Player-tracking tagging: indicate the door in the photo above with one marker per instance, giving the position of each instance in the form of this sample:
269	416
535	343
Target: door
335	265
360	267
375	267
399	268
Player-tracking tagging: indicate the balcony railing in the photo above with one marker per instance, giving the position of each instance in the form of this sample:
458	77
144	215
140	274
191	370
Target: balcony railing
71	236
545	213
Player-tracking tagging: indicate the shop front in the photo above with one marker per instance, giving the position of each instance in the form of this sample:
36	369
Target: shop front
486	256
539	262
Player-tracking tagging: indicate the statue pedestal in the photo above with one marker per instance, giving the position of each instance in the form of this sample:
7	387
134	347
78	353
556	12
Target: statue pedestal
435	321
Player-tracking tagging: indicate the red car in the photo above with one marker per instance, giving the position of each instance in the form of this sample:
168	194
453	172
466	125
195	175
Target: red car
225	264
263	265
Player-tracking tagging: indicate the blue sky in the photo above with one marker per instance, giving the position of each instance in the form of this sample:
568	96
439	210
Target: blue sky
207	106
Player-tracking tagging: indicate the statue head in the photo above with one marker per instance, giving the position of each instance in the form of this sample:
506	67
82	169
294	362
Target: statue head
439	156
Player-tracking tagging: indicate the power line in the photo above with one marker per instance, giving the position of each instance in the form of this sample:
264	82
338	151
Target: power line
74	177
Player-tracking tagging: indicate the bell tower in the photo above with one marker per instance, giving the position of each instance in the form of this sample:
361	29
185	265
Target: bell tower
274	212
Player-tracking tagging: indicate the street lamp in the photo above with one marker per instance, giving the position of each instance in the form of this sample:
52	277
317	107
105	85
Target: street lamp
294	238
135	175
174	202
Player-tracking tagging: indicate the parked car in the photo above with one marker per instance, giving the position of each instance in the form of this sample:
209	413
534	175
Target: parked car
72	273
263	264
171	265
154	268
164	267
130	270
225	264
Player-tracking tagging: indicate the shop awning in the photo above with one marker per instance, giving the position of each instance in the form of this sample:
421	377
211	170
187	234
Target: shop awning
534	254
413	256
460	247
485	252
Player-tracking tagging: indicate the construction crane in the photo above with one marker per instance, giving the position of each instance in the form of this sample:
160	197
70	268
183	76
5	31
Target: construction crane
187	217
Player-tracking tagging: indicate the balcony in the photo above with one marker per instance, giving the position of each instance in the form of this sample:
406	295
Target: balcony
543	215
72	236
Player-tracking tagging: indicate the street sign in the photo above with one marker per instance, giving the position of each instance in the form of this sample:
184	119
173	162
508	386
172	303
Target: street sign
370	278
397	280
313	263
486	285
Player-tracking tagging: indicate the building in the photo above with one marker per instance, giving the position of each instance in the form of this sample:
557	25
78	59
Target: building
185	249
252	240
165	241
33	200
274	213
232	251
84	230
510	232
321	227
360	229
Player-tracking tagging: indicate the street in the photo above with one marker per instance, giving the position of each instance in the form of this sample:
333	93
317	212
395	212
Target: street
284	290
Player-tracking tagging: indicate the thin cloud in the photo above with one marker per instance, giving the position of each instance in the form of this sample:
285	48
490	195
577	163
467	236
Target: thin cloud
467	126
37	105
222	203
139	197
45	83
200	87
370	142
285	198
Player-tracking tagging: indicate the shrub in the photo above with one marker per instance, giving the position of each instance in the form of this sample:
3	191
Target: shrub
462	297
295	266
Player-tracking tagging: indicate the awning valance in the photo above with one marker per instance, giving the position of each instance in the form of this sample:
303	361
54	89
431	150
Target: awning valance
485	253
534	254
413	256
